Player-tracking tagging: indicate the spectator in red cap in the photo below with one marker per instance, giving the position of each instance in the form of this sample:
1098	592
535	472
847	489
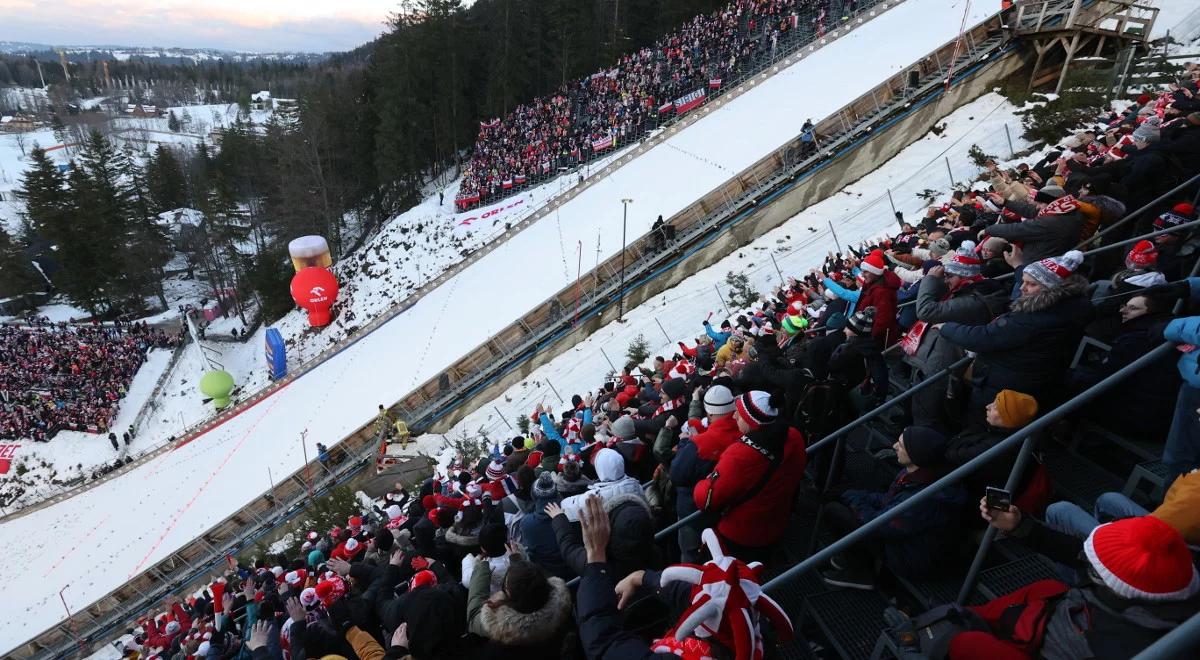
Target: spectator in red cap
1136	583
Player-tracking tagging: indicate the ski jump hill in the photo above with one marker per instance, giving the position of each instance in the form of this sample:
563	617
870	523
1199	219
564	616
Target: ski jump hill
96	553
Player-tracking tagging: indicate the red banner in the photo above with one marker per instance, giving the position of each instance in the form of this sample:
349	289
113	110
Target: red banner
7	453
602	144
690	101
485	125
519	179
506	184
714	83
464	201
666	107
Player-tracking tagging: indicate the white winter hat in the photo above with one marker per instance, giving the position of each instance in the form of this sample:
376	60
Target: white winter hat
172	627
394	512
202	650
718	400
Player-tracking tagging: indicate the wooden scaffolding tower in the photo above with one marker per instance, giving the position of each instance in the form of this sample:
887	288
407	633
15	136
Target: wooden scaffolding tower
1079	28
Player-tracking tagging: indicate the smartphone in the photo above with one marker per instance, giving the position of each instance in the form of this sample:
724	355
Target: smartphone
998	499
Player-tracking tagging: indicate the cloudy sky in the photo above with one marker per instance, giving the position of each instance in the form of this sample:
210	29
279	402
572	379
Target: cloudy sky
256	25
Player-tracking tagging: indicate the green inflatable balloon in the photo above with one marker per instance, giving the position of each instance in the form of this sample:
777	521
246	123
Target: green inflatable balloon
217	385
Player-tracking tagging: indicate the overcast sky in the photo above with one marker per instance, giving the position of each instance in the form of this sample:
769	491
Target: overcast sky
255	25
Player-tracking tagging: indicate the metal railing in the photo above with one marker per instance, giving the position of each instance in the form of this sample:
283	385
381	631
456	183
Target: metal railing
1023	436
1182	642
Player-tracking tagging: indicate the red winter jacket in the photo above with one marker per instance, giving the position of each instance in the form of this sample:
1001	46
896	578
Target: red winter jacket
881	294
156	634
759	521
716	438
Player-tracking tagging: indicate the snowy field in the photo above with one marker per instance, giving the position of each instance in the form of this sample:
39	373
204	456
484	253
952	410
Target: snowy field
165	503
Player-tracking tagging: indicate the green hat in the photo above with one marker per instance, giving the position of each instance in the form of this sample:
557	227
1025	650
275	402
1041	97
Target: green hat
794	324
529	443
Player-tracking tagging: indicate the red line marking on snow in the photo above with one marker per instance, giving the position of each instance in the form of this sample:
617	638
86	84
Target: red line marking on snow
77	545
203	487
186	440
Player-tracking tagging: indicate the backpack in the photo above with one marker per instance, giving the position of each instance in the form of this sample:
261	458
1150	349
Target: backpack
817	411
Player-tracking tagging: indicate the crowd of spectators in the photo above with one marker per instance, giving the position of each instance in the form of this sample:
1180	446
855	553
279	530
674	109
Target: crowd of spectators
480	562
609	108
59	376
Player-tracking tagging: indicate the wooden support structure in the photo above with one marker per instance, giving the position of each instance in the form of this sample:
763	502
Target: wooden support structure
1072	27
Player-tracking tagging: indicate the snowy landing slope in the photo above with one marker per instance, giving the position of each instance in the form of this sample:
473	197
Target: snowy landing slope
127	524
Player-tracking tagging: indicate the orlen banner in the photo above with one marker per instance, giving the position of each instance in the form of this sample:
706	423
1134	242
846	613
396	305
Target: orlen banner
8	451
492	216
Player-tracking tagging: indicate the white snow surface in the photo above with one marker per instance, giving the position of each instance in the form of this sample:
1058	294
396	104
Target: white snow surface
127	524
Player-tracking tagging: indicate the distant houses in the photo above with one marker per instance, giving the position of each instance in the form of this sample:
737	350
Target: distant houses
264	101
144	110
17	123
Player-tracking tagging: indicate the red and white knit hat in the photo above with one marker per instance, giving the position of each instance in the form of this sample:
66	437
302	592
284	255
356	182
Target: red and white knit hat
1143	255
1053	271
296	577
873	263
755	408
1142	558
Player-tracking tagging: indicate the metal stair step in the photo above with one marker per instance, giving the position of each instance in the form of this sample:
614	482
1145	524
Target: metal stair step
1007	578
849	619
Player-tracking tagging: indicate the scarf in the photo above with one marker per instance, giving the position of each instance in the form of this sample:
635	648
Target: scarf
670	405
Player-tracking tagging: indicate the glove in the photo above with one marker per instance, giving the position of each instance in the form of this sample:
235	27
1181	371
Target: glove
339	615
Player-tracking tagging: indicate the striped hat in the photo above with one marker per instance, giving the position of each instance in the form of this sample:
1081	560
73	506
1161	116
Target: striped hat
1142	558
964	263
1051	272
862	321
495	471
755	408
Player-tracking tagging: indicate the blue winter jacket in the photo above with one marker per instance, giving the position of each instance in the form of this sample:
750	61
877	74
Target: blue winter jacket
1187	331
551	432
719	338
914	543
849	295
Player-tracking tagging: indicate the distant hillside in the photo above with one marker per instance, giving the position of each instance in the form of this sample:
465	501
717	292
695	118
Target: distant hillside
165	55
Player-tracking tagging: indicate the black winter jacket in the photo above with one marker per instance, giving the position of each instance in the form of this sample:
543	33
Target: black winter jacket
1028	348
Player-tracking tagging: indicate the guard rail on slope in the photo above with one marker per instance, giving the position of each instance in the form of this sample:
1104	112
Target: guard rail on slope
981	46
736	88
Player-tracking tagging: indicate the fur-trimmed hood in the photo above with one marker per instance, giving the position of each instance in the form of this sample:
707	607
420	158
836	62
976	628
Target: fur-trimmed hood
1075	286
512	628
611	503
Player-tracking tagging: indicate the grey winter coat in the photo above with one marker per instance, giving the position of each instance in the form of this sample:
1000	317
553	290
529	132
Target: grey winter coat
1042	236
974	304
